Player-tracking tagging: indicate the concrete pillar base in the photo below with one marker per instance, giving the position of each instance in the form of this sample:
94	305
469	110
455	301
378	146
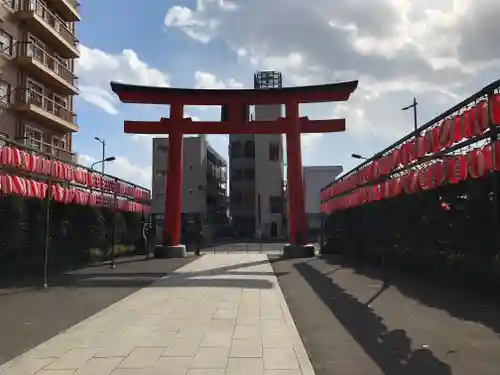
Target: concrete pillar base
299	251
178	251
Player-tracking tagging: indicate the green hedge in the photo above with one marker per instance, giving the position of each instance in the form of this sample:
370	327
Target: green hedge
78	234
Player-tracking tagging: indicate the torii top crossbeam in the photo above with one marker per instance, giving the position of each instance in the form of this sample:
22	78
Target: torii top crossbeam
332	92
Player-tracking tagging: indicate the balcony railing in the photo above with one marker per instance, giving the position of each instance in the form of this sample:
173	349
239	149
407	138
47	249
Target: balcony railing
30	96
48	148
10	3
37	53
53	20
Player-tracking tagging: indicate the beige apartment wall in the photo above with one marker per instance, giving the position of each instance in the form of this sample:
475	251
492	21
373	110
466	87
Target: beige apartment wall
268	174
194	175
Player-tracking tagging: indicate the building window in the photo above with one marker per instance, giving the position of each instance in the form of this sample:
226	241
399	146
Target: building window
236	196
249	196
162	149
236	149
34	137
274	151
236	174
60	101
249	174
6	43
161	173
58	143
276	205
4	92
36	92
62	61
10	3
249	149
36	49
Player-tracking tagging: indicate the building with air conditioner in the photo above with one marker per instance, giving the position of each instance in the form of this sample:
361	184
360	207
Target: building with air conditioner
204	183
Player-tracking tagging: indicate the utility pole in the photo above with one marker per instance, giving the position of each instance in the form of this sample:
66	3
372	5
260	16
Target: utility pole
415	120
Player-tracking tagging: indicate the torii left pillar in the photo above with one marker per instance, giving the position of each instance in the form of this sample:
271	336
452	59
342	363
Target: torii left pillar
171	246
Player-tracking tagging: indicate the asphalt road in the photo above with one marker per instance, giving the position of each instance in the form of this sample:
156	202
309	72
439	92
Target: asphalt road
351	323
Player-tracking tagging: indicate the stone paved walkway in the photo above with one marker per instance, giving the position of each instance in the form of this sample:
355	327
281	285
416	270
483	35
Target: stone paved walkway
221	314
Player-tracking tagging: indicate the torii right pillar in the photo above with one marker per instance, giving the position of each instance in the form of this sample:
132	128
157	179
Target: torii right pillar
298	246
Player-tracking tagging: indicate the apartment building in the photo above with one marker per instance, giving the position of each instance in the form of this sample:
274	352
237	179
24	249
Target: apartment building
204	183
256	164
38	50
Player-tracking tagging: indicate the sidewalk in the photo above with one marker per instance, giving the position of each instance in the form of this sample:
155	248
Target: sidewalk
221	314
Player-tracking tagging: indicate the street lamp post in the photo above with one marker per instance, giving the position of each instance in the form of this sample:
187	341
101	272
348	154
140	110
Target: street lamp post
111	158
103	143
415	122
103	161
357	156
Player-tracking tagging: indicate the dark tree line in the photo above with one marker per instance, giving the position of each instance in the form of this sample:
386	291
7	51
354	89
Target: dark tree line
452	231
78	234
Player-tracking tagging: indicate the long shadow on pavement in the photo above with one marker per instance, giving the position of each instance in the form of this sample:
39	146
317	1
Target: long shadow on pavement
33	316
389	349
459	303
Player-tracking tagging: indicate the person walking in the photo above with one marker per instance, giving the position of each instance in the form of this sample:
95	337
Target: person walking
149	238
199	241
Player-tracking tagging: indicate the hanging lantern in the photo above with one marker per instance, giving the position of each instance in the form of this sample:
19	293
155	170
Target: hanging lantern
476	162
464	125
7	158
495	110
6	184
482	118
19	186
456	169
445	133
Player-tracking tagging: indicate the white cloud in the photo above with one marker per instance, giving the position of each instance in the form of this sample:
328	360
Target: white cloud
206	80
122	168
97	68
437	51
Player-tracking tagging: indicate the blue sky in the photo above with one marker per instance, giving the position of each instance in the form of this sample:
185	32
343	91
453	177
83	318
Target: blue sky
221	43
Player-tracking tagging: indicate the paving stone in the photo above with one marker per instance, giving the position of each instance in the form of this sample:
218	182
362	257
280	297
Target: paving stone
74	359
143	356
26	366
248	332
211	357
99	366
245	366
245	348
217	338
212	328
280	359
173	365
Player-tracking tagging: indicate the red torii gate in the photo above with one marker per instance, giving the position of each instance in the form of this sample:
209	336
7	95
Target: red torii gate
236	101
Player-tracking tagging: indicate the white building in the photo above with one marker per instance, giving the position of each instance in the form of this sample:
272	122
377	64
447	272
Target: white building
256	170
204	193
315	178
